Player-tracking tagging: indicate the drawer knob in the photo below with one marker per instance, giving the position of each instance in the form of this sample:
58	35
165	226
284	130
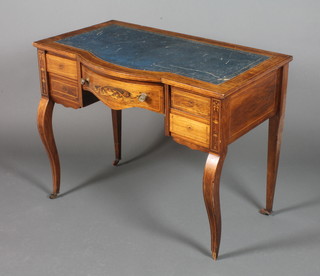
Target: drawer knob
142	97
85	81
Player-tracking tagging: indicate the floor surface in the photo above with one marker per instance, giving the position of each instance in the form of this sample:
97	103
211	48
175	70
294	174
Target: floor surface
147	216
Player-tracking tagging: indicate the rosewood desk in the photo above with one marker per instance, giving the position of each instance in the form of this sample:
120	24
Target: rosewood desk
210	92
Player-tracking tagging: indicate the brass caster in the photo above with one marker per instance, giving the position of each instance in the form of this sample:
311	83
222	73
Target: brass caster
116	162
53	196
265	212
214	256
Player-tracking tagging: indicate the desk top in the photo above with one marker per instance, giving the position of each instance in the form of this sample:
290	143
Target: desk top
145	50
140	53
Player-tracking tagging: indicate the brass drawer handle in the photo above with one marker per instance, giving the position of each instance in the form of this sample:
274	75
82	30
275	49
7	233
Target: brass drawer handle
142	97
85	81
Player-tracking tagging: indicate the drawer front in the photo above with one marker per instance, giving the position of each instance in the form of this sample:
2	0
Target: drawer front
120	94
194	131
191	103
64	90
61	66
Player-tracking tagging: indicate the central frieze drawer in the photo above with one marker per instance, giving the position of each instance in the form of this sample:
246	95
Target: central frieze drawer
120	94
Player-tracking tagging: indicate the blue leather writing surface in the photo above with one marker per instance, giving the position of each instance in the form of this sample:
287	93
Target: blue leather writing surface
145	50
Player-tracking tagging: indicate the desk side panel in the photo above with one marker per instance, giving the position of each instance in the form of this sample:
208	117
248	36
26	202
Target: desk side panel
252	105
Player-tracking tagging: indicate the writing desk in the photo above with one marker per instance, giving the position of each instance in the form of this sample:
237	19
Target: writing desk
210	92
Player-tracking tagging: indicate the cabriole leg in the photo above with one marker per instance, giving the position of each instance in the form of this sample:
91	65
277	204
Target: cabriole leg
211	183
45	110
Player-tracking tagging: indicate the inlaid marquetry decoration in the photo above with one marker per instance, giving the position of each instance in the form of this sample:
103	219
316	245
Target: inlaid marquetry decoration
116	93
216	105
43	73
216	125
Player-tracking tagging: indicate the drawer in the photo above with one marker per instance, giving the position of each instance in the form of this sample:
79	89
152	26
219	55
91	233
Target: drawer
191	103
192	130
120	94
64	90
62	66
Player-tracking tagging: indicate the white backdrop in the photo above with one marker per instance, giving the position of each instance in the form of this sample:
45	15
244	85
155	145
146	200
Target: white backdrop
291	27
169	236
